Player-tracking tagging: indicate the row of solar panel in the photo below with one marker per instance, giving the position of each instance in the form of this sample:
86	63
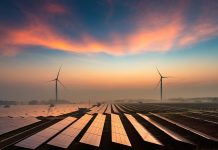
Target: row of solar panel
94	132
39	110
106	108
166	130
98	109
118	132
9	124
41	137
92	136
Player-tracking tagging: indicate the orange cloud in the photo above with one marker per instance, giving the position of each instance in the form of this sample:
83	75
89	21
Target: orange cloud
202	31
162	33
159	39
41	34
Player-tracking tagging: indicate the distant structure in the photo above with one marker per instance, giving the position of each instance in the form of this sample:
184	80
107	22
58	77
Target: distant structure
56	80
5	102
161	84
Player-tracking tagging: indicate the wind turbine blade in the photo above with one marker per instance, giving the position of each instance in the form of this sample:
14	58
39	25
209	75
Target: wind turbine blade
168	77
157	85
158	72
59	71
51	80
61	84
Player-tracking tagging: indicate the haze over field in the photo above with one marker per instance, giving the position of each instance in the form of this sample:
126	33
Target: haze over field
109	49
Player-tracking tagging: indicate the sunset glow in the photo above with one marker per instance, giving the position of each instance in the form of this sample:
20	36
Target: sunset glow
109	51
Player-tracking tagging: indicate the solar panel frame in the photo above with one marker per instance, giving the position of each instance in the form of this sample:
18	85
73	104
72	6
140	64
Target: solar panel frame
118	132
93	135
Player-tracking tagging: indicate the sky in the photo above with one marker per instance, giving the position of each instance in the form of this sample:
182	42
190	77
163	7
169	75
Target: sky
108	49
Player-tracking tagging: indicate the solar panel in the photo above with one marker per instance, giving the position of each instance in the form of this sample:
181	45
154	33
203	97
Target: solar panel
118	132
128	108
94	109
121	109
108	110
115	109
94	132
199	118
102	110
39	110
9	124
143	132
187	128
66	137
41	137
165	130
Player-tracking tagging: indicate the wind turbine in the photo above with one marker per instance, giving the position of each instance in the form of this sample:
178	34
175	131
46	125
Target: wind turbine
161	83
56	80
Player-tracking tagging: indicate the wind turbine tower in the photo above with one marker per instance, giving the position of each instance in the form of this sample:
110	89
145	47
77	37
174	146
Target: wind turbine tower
56	80
161	84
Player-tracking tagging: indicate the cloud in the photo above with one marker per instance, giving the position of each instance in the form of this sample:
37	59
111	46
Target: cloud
159	39
201	31
154	32
40	33
204	28
43	35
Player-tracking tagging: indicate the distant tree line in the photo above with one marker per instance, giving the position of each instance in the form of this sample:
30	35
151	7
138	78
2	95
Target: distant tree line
43	102
195	99
4	102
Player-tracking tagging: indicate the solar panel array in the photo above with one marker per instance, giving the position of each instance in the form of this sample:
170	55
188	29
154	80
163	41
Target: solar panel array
164	129
41	137
187	128
118	132
61	109
66	137
205	120
9	124
39	110
143	132
24	110
94	132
